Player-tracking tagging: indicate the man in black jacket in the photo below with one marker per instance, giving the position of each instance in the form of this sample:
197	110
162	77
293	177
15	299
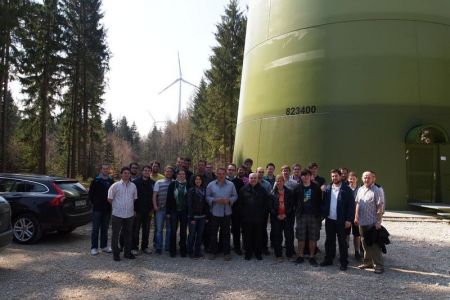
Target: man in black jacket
101	213
254	203
143	208
235	216
338	210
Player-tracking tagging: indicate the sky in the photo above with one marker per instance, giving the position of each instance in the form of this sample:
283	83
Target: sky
144	37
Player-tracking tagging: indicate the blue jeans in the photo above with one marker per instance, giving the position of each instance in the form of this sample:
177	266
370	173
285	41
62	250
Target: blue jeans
195	236
175	218
100	221
160	220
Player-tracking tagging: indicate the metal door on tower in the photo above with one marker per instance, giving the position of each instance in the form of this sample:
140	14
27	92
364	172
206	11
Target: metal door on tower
422	172
444	168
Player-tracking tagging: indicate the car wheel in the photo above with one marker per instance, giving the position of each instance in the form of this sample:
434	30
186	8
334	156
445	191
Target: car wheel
65	230
26	229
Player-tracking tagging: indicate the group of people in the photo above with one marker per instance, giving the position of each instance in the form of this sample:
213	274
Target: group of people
205	208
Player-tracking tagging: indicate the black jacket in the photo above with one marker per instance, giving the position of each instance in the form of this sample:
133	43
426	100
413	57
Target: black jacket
238	184
316	200
144	202
197	203
254	203
289	202
98	193
171	204
379	236
345	208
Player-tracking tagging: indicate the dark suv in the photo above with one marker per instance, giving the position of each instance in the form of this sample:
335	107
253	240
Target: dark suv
5	223
44	203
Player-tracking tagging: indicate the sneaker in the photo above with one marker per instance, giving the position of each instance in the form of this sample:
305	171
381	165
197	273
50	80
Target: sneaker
107	250
134	252
94	251
378	270
299	260
227	257
313	262
326	263
147	251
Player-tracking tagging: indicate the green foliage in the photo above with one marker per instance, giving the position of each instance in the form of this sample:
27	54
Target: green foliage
109	125
213	113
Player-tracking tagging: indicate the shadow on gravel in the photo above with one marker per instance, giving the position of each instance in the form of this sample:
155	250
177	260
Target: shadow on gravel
60	267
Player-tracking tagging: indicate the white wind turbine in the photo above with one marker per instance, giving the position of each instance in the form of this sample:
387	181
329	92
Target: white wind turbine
155	123
179	80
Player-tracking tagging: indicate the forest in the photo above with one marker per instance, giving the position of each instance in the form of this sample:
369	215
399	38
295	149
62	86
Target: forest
56	51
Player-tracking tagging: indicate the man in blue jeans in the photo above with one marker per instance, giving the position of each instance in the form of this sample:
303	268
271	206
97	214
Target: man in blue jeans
159	205
101	213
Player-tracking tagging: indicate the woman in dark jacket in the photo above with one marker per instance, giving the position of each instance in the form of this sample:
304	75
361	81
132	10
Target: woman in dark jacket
176	210
197	210
282	211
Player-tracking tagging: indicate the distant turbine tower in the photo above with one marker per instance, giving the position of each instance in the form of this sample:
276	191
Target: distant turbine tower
179	79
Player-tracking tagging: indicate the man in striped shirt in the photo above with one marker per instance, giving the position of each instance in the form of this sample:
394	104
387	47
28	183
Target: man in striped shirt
369	211
159	206
122	195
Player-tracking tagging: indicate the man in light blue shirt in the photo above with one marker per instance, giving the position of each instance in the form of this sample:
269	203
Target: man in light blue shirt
221	194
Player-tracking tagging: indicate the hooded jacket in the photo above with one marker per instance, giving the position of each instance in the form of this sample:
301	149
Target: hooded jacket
98	193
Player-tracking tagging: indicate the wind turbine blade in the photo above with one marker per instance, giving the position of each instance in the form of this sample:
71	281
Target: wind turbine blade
179	65
154	121
188	82
176	80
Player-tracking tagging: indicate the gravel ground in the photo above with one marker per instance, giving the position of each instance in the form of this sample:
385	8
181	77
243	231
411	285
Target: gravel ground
417	267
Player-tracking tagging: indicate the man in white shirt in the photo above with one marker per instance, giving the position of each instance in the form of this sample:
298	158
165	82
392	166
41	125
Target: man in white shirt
122	195
338	210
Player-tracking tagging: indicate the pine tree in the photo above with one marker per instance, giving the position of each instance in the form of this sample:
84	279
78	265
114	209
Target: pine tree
214	112
86	64
11	14
135	139
123	130
109	125
41	72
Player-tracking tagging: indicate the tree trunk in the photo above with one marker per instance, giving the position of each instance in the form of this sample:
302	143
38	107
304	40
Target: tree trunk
43	120
84	144
73	122
4	95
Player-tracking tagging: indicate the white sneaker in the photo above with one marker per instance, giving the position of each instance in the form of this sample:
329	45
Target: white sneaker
134	252
107	250
94	251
